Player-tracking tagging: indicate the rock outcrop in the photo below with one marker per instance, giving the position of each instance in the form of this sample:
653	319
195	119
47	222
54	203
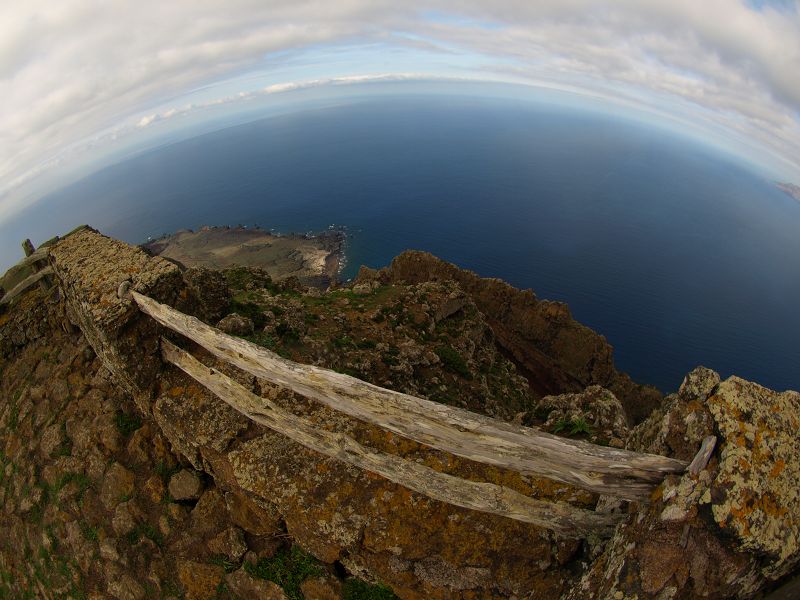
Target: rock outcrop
555	352
121	477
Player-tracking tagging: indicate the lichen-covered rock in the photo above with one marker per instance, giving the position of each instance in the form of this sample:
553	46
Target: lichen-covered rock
245	585
755	495
199	580
235	324
185	485
727	531
679	426
117	486
595	407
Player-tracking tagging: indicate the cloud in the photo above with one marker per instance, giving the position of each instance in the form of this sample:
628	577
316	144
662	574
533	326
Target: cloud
73	68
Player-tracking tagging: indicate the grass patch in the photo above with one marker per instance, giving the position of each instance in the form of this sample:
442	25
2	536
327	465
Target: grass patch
453	361
288	568
224	562
127	423
356	589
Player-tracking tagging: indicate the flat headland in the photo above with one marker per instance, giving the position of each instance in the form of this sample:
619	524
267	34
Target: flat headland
315	259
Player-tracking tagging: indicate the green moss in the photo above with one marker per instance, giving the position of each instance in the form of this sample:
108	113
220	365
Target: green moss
356	589
288	569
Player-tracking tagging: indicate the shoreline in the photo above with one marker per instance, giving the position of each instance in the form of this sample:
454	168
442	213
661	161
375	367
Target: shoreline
316	259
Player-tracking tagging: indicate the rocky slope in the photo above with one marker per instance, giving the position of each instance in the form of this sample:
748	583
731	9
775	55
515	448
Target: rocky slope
122	478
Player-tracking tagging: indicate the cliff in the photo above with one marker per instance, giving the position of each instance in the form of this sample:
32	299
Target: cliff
122	477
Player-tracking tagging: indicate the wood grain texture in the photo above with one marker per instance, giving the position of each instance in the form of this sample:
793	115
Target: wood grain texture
620	473
26	284
563	518
703	455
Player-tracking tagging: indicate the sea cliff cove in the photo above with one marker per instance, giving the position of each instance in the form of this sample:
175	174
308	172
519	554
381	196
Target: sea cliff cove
420	432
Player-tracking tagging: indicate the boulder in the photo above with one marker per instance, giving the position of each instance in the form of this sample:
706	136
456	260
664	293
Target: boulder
235	324
185	485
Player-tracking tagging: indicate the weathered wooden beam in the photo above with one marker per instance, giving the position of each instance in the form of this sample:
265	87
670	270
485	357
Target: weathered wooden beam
609	471
26	284
38	256
563	518
703	455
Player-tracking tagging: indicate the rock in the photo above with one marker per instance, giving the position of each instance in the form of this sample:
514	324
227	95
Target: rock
245	585
235	324
210	290
251	517
560	354
185	485
117	486
209	515
125	587
199	580
51	440
153	489
126	516
362	289
598	407
139	445
321	588
229	543
755	494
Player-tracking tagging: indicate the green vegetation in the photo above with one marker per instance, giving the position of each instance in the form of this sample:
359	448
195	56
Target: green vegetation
572	426
224	562
145	530
90	533
356	589
288	568
453	361
127	423
251	310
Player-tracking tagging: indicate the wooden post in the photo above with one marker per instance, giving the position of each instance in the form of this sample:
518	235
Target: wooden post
28	247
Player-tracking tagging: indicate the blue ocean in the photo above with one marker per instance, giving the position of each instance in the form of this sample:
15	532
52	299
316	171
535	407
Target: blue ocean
677	254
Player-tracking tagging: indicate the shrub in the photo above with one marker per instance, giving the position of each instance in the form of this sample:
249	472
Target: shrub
453	361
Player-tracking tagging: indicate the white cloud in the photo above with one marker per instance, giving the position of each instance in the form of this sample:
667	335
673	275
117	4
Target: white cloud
73	68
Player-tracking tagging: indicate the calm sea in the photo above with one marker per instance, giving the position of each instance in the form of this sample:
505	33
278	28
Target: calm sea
677	255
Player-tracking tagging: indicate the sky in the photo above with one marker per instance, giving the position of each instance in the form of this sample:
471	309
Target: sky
84	80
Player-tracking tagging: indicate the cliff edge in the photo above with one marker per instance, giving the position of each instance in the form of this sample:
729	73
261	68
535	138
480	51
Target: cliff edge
122	477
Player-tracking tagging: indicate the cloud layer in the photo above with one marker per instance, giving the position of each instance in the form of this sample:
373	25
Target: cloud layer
73	68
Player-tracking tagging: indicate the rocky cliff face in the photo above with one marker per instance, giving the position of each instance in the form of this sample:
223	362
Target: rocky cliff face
555	352
122	478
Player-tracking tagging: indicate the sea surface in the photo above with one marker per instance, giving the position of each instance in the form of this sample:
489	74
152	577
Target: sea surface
677	254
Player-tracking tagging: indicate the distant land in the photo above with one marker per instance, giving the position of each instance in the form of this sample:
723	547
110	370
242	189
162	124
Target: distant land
314	259
790	188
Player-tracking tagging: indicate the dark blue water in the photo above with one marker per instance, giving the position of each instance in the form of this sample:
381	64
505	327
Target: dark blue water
677	255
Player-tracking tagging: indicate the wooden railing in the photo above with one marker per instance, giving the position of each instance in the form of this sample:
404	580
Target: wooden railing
620	473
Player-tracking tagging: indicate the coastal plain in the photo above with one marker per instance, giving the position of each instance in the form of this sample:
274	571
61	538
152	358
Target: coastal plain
313	259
